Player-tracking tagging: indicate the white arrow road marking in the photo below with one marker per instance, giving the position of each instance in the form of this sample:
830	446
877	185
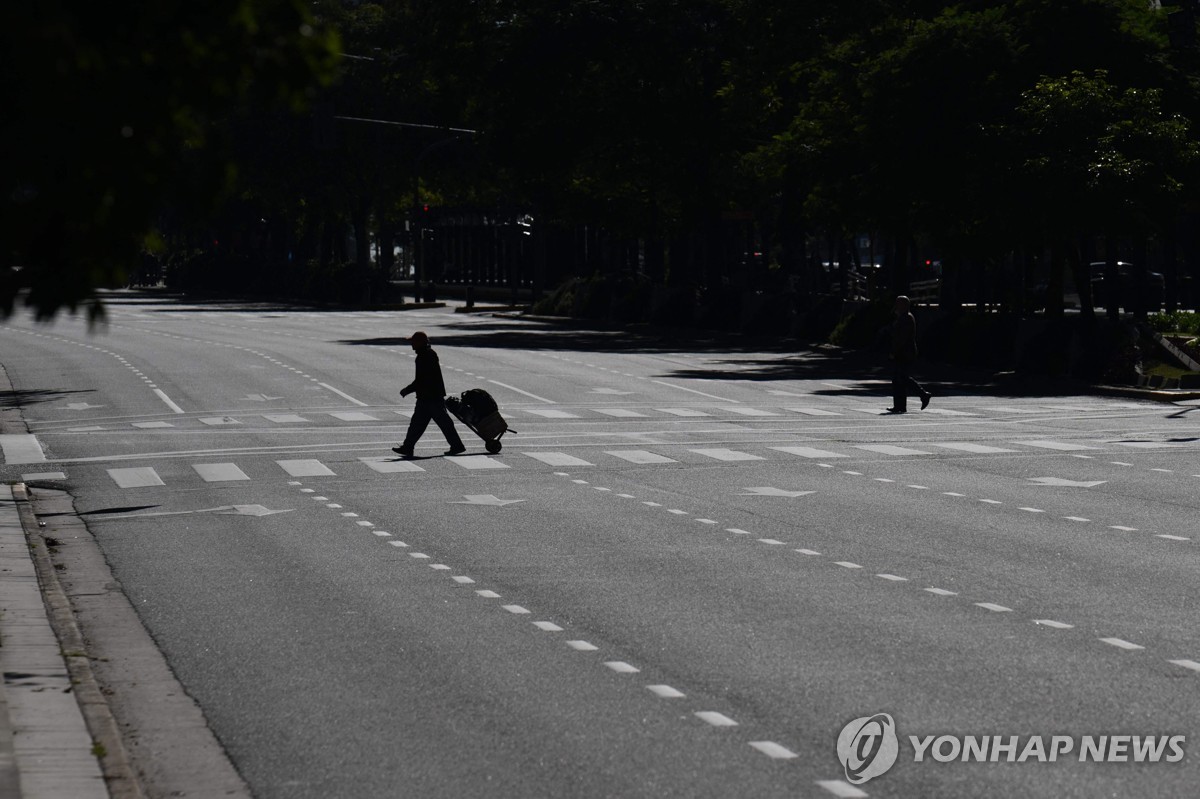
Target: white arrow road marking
1059	481
770	491
486	499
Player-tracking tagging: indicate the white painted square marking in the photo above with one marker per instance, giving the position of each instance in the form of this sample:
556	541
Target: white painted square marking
458	579
152	425
582	646
917	487
1120	463
621	667
1187	664
558	459
740	411
808	452
44	476
992	606
847	564
219	472
547	413
992	501
770	541
620	413
354	416
941	592
715	719
894	578
478	462
548	626
722	454
853	473
516	609
1121	644
1032	510
884	480
1123	529
1061	446
21	448
977	449
677	512
137	477
664	692
418	555
1076	519
639	456
284	418
683	411
439	566
1172	537
306	468
390	465
808	552
773	750
218	420
952	494
813	411
381	533
946	412
890	449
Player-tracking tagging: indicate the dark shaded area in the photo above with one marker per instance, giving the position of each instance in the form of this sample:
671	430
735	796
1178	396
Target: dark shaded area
114	511
24	397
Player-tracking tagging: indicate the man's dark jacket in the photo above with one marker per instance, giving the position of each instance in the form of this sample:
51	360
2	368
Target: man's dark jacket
428	384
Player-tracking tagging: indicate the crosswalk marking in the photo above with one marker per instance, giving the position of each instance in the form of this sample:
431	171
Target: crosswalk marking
354	416
978	449
620	413
639	456
813	411
478	462
136	477
390	465
284	418
1056	445
219	472
683	411
549	413
808	452
743	411
888	449
21	448
558	459
948	412
722	454
306	468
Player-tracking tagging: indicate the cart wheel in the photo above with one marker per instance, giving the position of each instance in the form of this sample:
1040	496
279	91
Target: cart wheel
493	446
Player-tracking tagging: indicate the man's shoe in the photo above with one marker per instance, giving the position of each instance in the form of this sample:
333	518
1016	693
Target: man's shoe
403	451
456	450
896	410
925	400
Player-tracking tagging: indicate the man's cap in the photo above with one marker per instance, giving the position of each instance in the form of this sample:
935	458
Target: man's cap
419	337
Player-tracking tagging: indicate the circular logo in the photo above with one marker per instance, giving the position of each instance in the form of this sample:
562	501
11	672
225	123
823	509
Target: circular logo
868	747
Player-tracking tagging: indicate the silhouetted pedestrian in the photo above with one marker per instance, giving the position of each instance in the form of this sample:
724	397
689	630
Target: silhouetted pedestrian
904	352
431	400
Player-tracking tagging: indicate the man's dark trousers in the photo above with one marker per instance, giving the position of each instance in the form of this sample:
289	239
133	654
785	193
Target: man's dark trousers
903	386
434	408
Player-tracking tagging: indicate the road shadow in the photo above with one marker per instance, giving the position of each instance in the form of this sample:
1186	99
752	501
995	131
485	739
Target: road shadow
34	396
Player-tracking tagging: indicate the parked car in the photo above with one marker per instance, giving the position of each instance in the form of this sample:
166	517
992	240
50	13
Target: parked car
1127	275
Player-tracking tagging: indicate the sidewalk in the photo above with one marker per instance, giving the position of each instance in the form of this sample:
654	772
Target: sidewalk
46	751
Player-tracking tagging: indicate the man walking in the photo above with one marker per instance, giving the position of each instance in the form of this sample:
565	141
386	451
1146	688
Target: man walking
904	352
431	400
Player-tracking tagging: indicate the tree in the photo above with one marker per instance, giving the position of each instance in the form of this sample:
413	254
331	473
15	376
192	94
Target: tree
105	103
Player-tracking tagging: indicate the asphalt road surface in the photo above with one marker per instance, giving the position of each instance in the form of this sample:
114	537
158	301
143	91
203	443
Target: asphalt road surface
688	571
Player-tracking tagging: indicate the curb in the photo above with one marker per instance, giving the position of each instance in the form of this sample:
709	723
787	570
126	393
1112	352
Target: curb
119	775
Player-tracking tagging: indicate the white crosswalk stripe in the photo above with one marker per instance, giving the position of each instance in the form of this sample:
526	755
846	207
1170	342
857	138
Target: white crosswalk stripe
744	411
390	465
306	468
978	449
808	452
284	418
722	454
136	477
478	462
549	413
620	413
558	459
683	412
889	449
813	411
1055	445
219	472
639	456
354	416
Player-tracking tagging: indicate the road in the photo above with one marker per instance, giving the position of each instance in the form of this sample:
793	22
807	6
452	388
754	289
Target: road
688	570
